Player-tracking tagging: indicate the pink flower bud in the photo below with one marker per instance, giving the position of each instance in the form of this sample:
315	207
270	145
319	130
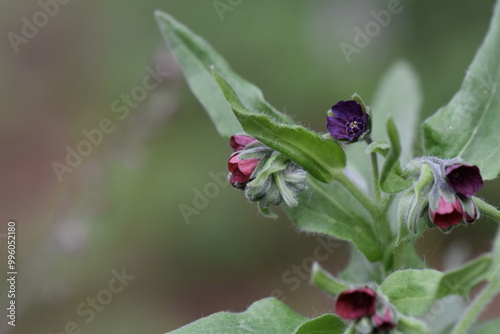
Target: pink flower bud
241	170
239	142
384	321
447	214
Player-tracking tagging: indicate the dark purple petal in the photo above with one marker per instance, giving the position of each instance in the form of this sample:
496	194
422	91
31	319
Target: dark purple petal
464	179
337	129
348	122
347	109
355	304
447	214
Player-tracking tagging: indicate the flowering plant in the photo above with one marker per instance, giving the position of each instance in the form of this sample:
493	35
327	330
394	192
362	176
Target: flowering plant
276	161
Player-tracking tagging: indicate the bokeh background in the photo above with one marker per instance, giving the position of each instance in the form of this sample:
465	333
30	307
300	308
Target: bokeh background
120	207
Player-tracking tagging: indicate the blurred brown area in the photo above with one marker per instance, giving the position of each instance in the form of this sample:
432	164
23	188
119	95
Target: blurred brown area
100	70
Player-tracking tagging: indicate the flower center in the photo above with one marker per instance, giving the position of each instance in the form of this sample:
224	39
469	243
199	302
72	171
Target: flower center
354	125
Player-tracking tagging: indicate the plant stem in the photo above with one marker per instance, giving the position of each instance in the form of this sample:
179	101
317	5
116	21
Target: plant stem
487	209
493	286
358	194
374	158
380	222
478	305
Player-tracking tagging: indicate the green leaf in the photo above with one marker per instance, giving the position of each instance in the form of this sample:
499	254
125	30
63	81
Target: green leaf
409	325
411	291
391	179
398	96
322	158
267	316
325	324
326	282
330	209
196	56
462	280
407	257
359	270
468	126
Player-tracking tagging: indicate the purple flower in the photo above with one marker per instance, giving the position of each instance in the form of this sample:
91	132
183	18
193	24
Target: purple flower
356	303
447	214
240	170
239	142
464	179
349	121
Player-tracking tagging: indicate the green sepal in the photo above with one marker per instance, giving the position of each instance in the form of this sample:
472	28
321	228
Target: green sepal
412	205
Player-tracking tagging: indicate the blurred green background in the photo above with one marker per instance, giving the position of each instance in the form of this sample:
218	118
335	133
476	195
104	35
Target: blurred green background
120	207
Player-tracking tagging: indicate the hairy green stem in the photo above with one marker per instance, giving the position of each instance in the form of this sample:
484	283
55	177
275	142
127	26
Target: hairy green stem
491	289
478	305
341	178
378	215
487	209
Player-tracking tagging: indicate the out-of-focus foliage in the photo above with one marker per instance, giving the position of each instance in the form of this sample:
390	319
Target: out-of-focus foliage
121	207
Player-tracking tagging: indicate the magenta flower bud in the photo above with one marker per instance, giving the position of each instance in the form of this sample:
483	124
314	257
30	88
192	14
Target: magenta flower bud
384	321
239	142
464	179
447	214
356	303
349	121
240	170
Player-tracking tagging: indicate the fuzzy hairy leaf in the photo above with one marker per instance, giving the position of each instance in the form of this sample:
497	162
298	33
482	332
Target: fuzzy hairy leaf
330	209
267	316
411	291
196	57
468	126
325	324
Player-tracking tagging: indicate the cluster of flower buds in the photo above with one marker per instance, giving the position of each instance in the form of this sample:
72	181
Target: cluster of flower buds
265	175
372	312
450	202
445	193
348	121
